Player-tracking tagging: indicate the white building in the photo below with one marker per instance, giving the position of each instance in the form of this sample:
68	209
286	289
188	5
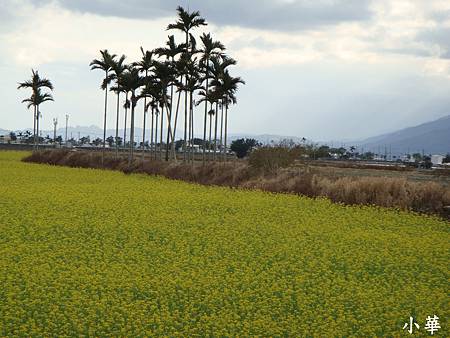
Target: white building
437	159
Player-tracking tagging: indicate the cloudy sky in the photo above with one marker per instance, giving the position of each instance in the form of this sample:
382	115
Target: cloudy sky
321	69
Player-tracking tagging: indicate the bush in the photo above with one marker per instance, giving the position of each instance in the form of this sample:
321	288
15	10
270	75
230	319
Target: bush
270	159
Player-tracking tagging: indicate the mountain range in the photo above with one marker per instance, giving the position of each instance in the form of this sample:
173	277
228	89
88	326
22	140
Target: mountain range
430	138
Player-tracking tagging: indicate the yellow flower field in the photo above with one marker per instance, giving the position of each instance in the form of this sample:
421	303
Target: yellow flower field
97	253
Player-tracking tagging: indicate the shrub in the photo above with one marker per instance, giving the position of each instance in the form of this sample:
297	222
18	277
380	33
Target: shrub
270	159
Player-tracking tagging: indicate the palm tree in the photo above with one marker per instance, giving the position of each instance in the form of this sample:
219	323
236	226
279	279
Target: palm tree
106	64
209	49
217	69
171	52
186	23
208	98
145	66
153	92
35	84
118	68
131	81
165	74
229	88
36	100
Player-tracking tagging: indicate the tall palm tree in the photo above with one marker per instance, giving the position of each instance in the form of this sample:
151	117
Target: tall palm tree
229	89
217	68
36	100
165	74
131	81
118	68
152	92
186	23
35	84
106	64
144	66
171	52
209	49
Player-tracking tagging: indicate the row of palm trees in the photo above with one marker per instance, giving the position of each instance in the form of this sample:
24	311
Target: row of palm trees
38	97
165	76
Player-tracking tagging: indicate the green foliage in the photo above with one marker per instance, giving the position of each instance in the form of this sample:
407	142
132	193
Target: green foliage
242	147
110	141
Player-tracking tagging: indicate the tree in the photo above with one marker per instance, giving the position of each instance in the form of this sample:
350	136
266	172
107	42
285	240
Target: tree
13	136
217	69
118	68
98	141
427	162
417	157
36	83
165	75
110	141
36	100
144	66
84	140
242	147
185	23
131	81
170	52
229	88
106	64
210	48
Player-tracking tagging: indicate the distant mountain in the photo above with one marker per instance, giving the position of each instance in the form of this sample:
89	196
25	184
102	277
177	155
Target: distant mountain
266	138
430	138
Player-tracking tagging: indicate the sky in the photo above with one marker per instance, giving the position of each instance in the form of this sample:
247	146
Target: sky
320	69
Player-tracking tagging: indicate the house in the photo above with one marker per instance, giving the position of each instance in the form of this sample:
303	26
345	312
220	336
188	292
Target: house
437	159
5	138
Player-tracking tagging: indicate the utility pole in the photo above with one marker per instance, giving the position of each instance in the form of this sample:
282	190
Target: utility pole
55	123
67	123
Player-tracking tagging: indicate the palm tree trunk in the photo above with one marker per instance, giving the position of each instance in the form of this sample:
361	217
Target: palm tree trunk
156	135
143	128
151	132
185	120
125	126
210	130
104	119
175	124
161	132
215	130
131	154
221	128
226	132
34	126
37	127
206	114
169	126
192	127
117	124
